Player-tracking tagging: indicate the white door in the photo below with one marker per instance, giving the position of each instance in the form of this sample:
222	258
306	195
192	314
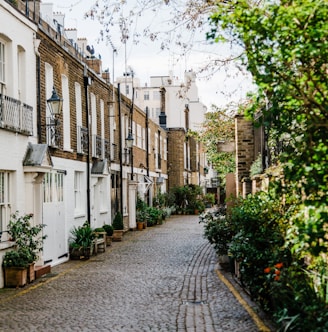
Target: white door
55	246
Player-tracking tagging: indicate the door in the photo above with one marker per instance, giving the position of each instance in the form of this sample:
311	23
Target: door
55	246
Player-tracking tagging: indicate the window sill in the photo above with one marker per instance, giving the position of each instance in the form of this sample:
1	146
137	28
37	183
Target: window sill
7	244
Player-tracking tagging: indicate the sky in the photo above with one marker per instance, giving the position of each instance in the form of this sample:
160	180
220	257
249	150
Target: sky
146	59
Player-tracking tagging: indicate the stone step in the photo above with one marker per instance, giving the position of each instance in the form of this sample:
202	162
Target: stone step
42	270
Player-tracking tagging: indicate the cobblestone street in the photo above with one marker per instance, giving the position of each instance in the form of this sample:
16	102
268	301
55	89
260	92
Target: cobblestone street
164	278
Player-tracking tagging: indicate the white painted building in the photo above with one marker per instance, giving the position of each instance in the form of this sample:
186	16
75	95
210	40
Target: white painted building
178	94
19	185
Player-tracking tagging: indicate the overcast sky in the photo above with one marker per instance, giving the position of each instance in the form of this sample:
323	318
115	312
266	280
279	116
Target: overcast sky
146	59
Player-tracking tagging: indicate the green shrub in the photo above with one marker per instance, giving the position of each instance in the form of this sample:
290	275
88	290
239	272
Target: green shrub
154	215
82	236
258	242
17	258
28	238
99	229
118	222
218	231
108	229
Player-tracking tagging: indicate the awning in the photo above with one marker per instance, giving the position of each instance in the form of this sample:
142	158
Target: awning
99	167
37	156
145	185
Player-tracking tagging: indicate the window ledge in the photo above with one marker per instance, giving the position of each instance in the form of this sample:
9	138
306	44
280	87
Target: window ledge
7	244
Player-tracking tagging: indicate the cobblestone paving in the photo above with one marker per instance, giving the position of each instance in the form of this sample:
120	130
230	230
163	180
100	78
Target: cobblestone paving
160	279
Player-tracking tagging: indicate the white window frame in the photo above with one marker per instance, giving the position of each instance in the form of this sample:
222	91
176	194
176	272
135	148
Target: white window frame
53	187
139	136
79	202
66	114
2	62
103	195
5	204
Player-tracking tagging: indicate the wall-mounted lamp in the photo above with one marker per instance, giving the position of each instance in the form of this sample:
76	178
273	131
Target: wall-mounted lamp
129	141
55	103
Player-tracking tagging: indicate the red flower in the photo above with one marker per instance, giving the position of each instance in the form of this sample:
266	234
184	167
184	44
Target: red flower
277	272
279	265
267	270
276	278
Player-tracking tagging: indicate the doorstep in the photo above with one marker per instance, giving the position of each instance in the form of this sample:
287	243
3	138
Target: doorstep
42	270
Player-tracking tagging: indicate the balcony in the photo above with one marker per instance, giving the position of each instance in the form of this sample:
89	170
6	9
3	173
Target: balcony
97	143
82	140
53	132
107	149
113	152
158	161
16	116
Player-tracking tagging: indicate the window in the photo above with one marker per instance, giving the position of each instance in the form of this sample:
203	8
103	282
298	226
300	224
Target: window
156	112
53	187
78	192
66	114
103	194
4	199
146	95
156	95
2	63
139	136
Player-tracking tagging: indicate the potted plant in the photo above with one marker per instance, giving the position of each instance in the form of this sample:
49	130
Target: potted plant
141	217
199	206
109	233
118	227
154	216
16	263
81	241
28	239
209	200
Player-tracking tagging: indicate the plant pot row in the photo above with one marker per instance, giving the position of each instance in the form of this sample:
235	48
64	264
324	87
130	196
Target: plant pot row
19	276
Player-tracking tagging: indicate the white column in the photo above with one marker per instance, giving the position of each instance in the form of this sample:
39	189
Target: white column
132	204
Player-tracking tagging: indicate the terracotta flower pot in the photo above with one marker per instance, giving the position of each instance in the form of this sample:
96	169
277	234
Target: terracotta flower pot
140	225
117	235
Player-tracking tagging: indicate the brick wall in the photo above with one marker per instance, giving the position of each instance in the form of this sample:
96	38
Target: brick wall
244	135
176	139
64	63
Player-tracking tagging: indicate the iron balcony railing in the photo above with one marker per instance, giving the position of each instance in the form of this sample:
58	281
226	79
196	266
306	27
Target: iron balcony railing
107	150
158	161
113	152
53	132
16	116
97	143
82	140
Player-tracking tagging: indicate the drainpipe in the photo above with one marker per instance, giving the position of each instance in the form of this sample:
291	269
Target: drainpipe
147	149
87	82
38	87
38	102
131	119
120	145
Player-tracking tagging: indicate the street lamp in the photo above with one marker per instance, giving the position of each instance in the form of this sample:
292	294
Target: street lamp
55	103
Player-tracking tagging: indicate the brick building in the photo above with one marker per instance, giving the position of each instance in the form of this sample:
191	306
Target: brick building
75	165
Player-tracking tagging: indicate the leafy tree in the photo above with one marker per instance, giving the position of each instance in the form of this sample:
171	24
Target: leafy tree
177	27
284	49
218	127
